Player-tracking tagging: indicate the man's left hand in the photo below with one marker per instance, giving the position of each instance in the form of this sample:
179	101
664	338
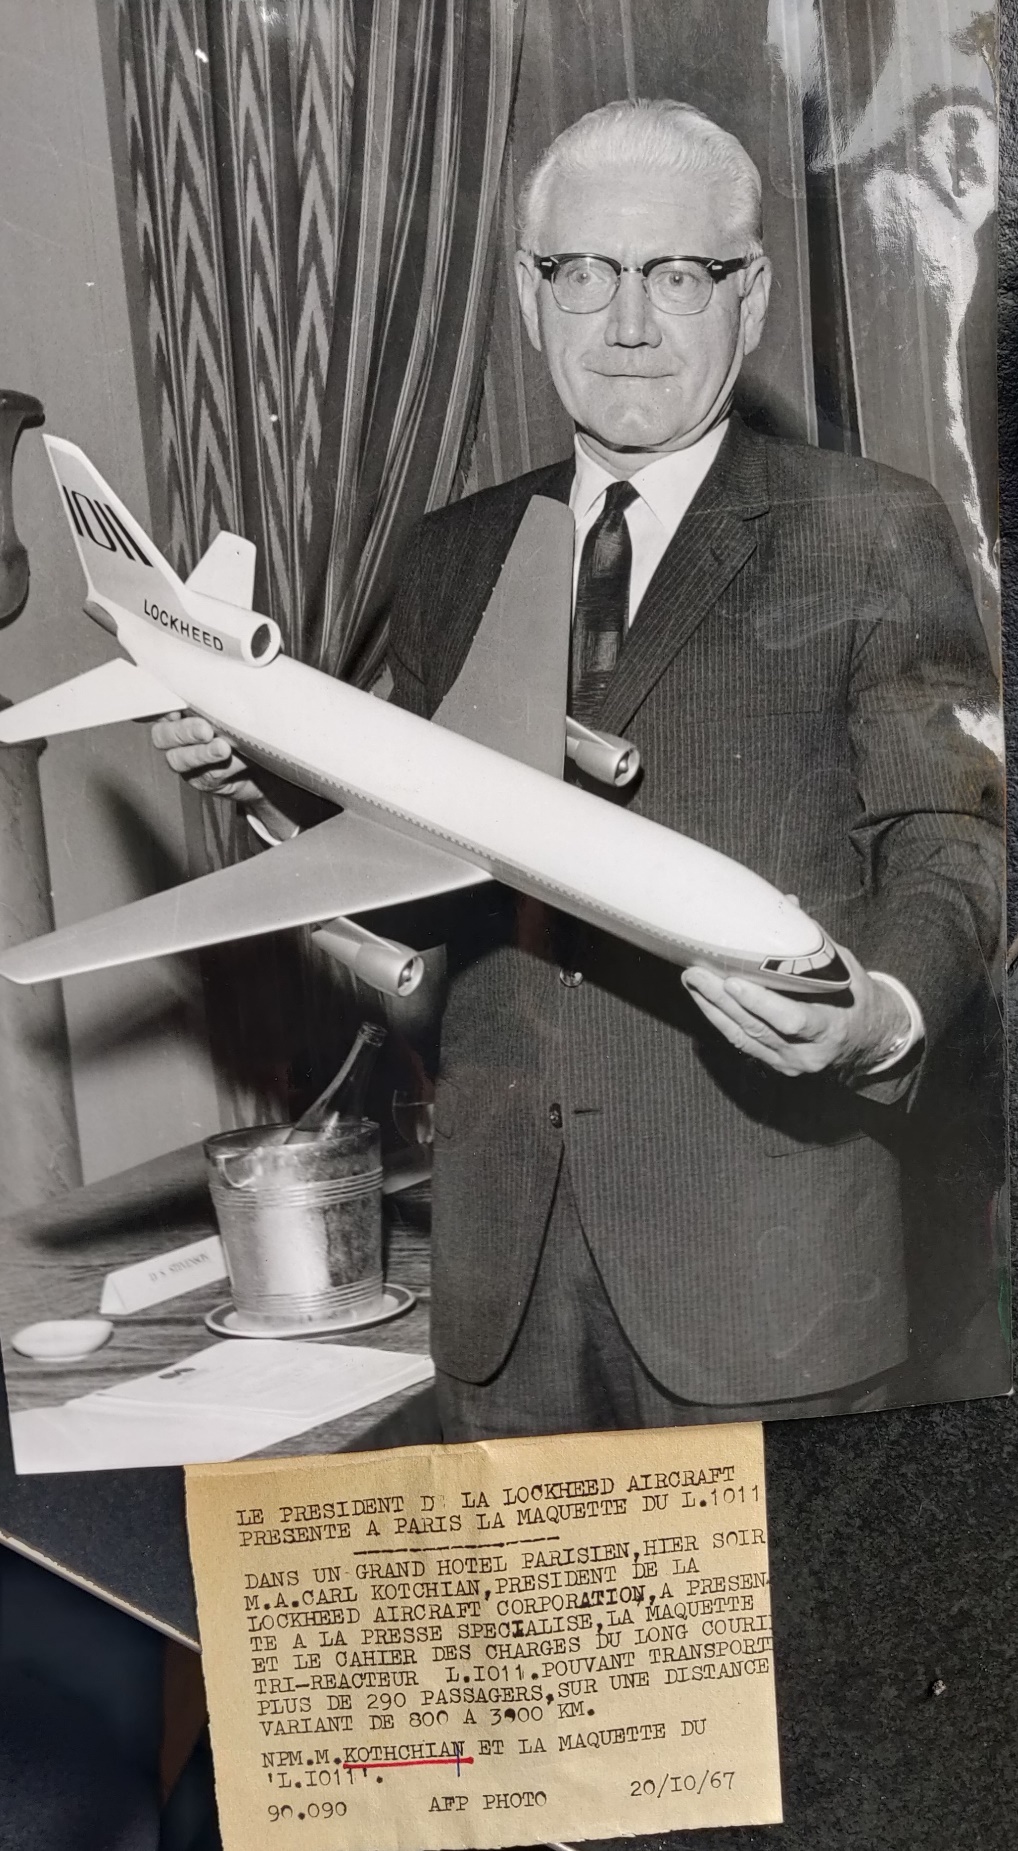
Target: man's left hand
796	1035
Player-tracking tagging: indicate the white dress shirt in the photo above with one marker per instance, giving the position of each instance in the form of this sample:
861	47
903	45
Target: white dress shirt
665	488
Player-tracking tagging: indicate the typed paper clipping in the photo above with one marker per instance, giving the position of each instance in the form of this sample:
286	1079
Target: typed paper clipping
489	1644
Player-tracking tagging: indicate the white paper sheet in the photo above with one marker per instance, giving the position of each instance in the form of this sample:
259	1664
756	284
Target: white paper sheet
221	1403
165	1275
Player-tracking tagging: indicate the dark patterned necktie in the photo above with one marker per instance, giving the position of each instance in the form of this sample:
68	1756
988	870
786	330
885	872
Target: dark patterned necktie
602	602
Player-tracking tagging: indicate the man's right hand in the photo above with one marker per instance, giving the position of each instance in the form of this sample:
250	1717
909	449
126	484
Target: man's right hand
198	754
209	763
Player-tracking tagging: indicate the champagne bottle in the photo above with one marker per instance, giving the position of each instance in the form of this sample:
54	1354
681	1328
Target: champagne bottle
344	1095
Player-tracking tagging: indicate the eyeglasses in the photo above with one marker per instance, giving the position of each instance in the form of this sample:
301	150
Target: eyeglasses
582	283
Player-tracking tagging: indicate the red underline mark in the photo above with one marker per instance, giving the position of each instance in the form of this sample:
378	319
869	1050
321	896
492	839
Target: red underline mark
428	1761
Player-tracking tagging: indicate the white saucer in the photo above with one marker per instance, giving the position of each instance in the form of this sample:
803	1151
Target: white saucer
227	1321
62	1340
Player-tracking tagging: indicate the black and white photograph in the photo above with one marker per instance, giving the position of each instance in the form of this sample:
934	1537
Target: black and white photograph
501	758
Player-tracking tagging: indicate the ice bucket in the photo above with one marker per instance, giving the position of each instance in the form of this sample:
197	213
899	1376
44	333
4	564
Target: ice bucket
301	1222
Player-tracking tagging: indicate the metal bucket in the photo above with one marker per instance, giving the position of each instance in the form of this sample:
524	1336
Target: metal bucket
301	1223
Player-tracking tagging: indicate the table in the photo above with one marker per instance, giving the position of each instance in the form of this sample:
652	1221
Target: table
121	1533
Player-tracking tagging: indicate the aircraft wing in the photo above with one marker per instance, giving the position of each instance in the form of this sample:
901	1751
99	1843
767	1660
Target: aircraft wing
512	690
343	866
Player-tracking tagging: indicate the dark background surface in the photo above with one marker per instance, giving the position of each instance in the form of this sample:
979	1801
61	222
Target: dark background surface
894	1537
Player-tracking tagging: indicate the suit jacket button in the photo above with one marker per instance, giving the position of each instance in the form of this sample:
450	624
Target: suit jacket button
555	1115
570	979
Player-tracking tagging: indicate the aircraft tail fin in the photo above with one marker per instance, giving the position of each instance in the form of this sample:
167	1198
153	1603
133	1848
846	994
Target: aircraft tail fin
116	691
117	556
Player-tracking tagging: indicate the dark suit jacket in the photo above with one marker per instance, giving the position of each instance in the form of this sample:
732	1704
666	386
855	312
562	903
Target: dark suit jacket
807	681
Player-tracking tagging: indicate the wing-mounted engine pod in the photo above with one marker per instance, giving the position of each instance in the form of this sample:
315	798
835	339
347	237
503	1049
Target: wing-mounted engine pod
601	755
394	969
245	635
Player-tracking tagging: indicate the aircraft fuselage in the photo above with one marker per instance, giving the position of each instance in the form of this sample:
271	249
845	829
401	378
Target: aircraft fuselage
611	867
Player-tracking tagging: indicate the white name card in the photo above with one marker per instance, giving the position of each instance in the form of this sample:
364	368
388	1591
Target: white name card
167	1275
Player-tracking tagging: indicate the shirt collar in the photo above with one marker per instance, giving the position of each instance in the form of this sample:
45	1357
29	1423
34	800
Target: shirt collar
667	485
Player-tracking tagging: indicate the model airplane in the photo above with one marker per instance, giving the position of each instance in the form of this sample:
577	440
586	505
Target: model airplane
429	807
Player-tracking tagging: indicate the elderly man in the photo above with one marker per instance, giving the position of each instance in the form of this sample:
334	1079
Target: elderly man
659	1202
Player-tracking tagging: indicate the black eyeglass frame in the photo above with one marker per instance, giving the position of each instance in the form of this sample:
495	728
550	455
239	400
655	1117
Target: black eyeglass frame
717	269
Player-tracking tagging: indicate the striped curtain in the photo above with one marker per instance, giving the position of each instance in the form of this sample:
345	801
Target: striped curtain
310	193
314	189
430	126
577	56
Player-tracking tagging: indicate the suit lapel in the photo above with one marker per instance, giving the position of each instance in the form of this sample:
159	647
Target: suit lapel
557	480
713	543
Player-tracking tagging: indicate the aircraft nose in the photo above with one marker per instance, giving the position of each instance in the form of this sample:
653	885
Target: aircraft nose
836	972
813	972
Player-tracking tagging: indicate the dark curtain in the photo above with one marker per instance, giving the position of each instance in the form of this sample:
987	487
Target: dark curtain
579	54
899	100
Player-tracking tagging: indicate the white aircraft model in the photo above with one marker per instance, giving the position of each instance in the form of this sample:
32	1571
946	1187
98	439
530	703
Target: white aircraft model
428	807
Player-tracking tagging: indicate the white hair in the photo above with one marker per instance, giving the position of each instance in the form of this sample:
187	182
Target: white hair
662	135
